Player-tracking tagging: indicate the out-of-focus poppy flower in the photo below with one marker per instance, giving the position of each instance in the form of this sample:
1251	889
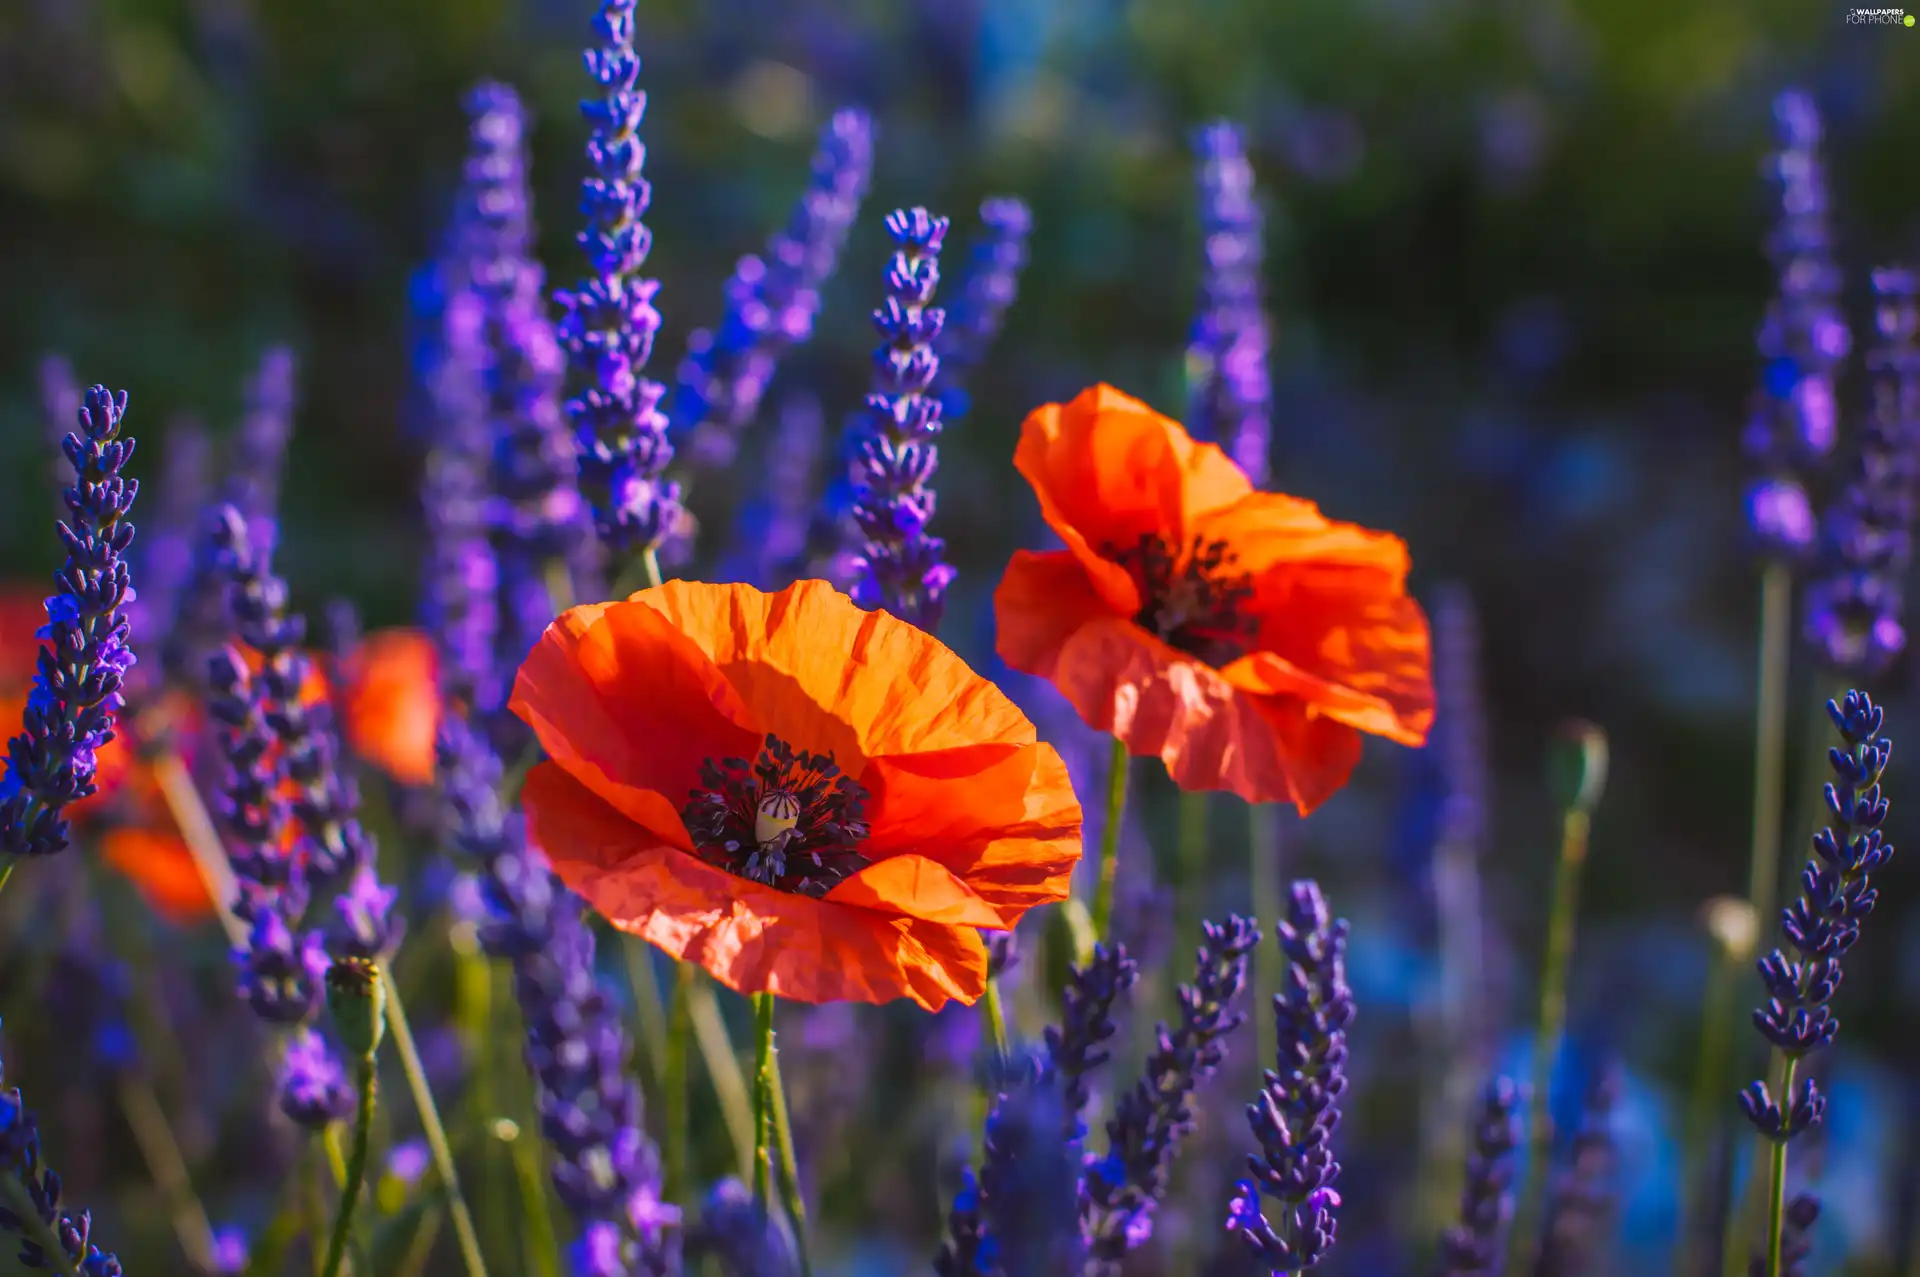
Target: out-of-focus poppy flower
157	862
1240	636
803	797
390	697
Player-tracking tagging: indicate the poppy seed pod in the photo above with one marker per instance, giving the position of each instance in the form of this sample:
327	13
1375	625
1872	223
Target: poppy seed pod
357	1004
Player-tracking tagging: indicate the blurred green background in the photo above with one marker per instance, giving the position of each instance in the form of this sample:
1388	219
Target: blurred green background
1513	266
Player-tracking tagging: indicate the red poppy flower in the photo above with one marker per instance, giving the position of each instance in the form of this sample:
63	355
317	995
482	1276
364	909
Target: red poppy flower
803	797
1240	636
156	861
390	696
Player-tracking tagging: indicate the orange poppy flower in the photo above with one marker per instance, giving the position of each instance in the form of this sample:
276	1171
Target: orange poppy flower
391	701
156	861
803	797
1240	636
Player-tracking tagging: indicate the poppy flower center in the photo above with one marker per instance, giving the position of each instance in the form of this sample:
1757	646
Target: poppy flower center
789	819
1193	599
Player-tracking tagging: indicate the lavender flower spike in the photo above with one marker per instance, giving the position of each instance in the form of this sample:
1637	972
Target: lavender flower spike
1086	1022
77	687
1017	1218
260	446
992	282
1122	1189
1475	1247
33	1182
1836	895
1803	340
1230	391
1298	1109
1853	614
900	567
771	300
609	322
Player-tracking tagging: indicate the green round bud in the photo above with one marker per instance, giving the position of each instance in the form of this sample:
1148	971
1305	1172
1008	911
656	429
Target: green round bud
1577	766
357	1001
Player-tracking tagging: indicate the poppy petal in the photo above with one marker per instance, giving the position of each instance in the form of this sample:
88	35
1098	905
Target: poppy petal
1374	663
915	887
631	707
1002	818
824	674
1108	469
750	937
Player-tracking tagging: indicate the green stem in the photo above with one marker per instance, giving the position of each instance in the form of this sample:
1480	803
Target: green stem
673	1082
6	872
314	1208
1698	1183
997	1019
430	1126
159	1148
1263	848
790	1194
535	1209
1561	922
762	1098
420	1246
723	1067
559	582
37	1229
474	1012
1777	1180
1102	909
649	1010
356	1172
190	814
1190	852
1770	739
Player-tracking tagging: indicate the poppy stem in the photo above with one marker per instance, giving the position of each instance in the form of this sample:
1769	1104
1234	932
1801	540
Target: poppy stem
762	1099
673	1082
1264	890
790	1195
356	1170
1574	827
431	1127
1102	910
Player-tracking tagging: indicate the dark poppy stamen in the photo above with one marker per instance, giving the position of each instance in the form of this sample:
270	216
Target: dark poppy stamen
788	819
1192	600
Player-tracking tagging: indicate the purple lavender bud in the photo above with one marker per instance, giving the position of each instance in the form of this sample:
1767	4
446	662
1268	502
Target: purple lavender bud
770	531
992	282
1124	1188
366	927
1854	611
1028	1184
1803	341
901	568
771	301
537	502
608	322
1086	1022
1836	895
260	446
281	969
1476	1245
20	1156
740	1236
1230	393
313	1083
1583	1195
407	1162
1003	952
77	685
1299	1107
